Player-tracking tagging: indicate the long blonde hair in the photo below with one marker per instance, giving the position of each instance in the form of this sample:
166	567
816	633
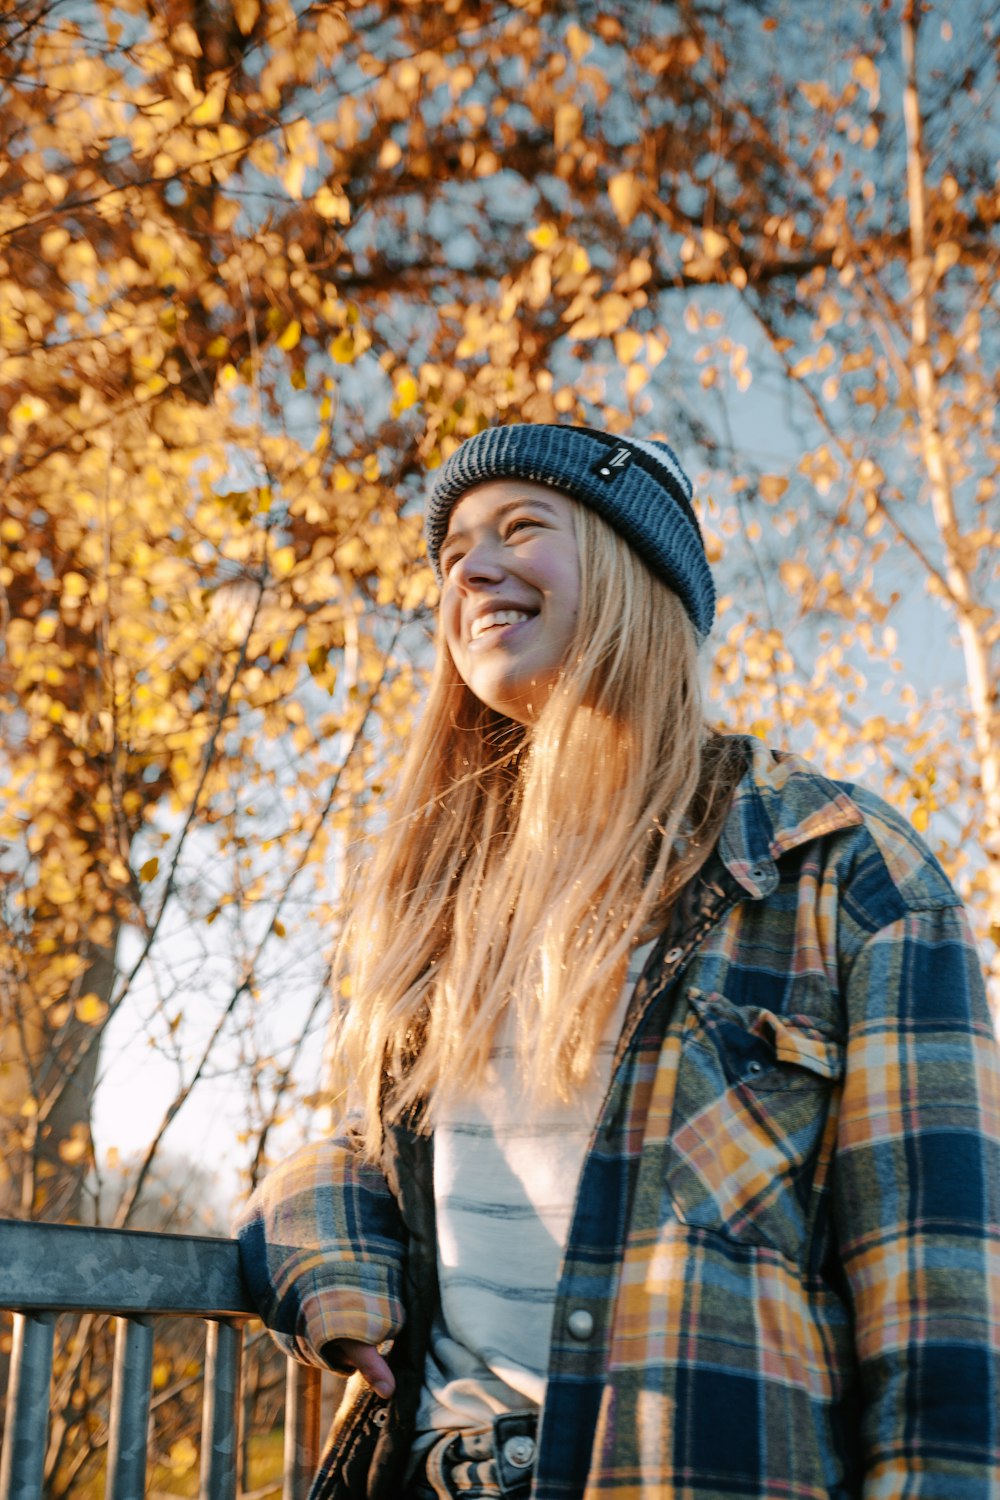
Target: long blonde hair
521	865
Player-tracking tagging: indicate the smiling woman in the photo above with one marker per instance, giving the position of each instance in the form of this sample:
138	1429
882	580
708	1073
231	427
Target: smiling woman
511	587
675	1165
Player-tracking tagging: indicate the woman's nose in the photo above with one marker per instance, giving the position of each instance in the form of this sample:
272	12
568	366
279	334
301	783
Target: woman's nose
481	563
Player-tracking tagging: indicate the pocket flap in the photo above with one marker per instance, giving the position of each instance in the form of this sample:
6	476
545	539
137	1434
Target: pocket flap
796	1039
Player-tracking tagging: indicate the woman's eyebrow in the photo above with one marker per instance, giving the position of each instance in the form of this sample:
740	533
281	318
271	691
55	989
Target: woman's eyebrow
502	511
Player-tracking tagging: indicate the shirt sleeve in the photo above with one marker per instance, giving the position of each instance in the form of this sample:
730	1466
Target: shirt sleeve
322	1247
917	1204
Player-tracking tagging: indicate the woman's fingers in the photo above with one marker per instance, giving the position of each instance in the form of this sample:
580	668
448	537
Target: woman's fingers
368	1362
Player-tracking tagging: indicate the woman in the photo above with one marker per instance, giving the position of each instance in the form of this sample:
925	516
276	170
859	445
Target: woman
675	1170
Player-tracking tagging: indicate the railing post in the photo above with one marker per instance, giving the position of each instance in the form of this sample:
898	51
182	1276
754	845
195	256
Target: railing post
130	1393
22	1468
303	1391
218	1428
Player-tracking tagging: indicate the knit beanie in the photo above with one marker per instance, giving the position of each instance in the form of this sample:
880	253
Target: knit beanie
636	485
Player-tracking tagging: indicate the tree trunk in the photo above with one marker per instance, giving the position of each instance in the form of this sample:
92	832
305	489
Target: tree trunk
47	1081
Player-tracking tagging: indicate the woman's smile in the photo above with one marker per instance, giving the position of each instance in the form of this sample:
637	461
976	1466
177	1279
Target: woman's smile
493	624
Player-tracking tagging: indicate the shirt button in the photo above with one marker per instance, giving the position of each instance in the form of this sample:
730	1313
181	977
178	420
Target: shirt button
519	1451
759	872
580	1324
672	955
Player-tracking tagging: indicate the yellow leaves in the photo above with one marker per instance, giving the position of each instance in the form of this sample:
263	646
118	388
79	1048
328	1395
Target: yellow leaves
821	468
628	345
183	1454
870	474
795	575
149	869
407	76
26	412
56	186
333	203
625	192
283	561
290	336
595	318
263	155
209	112
390	155
58	889
636	378
54	242
293	176
544	236
946	254
342	348
73	587
91	1009
348	344
813	363
76	1147
184	39
407	393
715	243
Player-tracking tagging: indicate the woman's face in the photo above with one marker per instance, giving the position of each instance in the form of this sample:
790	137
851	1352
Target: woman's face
511	592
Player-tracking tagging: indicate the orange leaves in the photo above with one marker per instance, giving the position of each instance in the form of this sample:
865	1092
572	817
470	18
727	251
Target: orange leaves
818	94
246	13
866	73
594	317
772	487
568	123
625	191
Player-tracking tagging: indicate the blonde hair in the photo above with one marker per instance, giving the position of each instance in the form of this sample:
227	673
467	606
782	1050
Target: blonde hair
520	866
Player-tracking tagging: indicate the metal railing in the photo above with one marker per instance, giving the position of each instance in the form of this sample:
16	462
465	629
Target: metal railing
47	1269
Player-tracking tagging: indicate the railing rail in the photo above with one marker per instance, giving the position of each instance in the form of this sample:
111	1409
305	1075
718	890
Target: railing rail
46	1269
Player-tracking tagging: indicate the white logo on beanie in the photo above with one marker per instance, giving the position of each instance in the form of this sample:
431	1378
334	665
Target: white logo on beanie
620	460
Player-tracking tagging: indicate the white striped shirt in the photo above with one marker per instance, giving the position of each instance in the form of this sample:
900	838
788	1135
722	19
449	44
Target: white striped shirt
505	1180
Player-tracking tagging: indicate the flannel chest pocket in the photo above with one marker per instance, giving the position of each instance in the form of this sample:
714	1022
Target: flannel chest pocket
748	1139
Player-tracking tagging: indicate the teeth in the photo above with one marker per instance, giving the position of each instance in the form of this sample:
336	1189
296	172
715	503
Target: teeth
498	617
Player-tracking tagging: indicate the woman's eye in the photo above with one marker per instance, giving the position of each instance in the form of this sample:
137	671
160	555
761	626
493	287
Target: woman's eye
518	523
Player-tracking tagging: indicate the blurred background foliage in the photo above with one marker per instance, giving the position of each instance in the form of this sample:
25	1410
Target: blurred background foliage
263	264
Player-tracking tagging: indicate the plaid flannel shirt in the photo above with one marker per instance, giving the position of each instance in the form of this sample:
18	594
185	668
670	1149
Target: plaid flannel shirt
786	1239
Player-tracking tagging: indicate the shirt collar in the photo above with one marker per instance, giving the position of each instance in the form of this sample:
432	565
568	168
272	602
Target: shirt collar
780	803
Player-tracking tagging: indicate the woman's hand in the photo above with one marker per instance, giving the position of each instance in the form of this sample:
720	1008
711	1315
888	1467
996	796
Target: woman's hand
366	1359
